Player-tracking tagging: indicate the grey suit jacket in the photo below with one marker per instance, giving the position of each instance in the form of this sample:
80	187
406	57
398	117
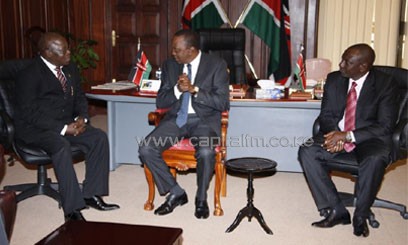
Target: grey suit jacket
377	106
211	100
41	103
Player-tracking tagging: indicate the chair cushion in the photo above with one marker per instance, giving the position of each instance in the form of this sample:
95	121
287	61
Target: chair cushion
34	155
344	162
185	145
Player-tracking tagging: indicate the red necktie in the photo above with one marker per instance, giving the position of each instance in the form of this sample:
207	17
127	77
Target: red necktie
350	115
61	78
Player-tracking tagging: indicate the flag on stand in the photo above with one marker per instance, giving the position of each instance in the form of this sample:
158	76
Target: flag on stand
141	70
299	70
270	21
198	14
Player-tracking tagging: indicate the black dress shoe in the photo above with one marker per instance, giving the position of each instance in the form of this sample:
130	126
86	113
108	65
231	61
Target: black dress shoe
97	202
360	226
201	210
76	215
172	201
333	219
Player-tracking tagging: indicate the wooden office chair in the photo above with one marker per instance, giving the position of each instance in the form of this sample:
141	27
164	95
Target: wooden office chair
180	157
347	163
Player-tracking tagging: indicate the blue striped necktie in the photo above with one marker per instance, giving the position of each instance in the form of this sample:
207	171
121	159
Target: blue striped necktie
182	114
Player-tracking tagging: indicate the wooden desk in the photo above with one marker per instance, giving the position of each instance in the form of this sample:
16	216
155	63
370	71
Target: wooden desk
268	128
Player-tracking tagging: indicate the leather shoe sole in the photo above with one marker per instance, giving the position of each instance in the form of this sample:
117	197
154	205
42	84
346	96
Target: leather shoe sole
172	201
333	219
97	202
202	211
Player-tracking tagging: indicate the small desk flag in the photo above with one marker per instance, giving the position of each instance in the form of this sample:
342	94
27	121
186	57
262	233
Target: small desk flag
141	70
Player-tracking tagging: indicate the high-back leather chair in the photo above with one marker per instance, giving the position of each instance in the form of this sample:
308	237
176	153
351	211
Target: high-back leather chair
181	157
346	162
29	154
228	44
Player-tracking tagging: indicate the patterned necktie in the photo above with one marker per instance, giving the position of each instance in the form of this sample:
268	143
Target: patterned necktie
182	114
350	115
61	78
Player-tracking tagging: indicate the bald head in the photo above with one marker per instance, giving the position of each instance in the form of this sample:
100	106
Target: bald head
357	60
54	48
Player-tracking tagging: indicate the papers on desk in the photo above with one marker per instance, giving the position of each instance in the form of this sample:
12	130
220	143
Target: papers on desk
119	85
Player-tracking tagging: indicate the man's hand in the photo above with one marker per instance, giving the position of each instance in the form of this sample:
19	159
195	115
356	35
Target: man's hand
334	141
77	127
184	84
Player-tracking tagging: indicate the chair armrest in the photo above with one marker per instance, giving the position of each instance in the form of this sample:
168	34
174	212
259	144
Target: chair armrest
154	117
8	128
399	139
316	127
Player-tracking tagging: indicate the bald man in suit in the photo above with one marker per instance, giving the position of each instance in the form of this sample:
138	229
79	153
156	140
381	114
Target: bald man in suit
369	139
208	88
53	115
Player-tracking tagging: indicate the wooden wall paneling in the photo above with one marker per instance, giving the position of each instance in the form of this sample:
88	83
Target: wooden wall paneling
33	17
57	15
11	41
98	33
149	30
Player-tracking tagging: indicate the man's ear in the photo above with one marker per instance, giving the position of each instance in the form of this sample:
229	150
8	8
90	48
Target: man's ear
364	67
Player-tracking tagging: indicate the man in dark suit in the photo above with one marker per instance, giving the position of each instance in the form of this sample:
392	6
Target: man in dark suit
369	137
52	113
207	91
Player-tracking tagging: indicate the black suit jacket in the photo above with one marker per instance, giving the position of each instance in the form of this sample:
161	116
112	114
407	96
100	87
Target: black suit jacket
211	100
41	103
376	111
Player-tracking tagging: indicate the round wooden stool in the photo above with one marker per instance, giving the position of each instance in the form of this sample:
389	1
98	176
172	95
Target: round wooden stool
250	165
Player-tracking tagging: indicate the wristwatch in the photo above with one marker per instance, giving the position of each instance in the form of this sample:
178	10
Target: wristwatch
348	136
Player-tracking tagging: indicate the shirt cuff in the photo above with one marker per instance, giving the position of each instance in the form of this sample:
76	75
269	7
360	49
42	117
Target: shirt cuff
353	139
177	93
64	130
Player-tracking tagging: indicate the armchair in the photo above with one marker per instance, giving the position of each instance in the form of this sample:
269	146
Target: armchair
29	154
228	44
180	157
347	162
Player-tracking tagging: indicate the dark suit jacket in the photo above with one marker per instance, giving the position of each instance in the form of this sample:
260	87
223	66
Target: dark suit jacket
41	103
211	100
376	111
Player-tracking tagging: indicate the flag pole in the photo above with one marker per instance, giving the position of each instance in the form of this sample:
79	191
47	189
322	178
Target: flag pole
225	13
251	67
138	43
242	13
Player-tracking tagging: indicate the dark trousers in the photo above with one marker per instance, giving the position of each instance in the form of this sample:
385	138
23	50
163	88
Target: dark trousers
163	137
373	157
94	143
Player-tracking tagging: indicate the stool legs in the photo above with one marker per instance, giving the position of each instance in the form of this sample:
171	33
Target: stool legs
250	210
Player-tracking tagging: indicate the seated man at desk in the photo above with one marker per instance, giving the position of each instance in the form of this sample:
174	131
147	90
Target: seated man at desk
195	90
52	113
358	115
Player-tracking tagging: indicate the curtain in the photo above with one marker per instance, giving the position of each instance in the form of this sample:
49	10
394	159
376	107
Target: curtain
346	22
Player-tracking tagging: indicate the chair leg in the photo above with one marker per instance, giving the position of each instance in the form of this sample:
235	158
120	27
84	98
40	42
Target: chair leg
380	203
224	181
150	182
219	170
42	187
